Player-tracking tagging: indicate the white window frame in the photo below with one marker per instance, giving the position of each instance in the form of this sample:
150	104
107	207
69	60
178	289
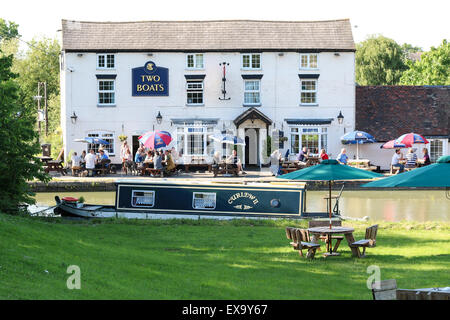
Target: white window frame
105	135
444	143
321	131
204	130
195	90
106	91
253	91
152	192
204	193
194	60
105	57
308	61
250	55
316	91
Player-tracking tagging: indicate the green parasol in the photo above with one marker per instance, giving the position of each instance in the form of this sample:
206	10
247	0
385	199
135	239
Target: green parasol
434	175
330	170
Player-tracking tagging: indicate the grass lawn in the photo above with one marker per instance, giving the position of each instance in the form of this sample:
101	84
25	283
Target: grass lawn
189	259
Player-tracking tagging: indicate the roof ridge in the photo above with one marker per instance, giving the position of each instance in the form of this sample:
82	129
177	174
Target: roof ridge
199	21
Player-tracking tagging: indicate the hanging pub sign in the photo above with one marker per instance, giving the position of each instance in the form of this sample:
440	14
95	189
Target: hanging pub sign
150	80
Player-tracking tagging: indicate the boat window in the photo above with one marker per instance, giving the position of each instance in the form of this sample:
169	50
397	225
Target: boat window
204	200
143	198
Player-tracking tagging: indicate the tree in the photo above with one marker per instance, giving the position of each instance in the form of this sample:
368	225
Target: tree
379	61
433	68
41	64
18	138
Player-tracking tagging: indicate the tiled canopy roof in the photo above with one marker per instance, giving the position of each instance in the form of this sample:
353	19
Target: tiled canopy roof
224	35
387	112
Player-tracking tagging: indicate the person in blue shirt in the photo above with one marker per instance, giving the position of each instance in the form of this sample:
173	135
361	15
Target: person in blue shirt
342	157
138	158
103	157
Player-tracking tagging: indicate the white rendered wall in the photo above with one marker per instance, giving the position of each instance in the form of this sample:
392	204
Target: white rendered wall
280	94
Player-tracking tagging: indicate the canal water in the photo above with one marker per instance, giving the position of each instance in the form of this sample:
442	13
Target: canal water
411	205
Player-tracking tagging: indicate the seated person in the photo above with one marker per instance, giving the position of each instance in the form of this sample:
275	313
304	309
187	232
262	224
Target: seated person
323	155
342	157
157	161
103	159
236	161
216	160
426	157
170	164
395	160
411	159
303	155
76	163
138	157
149	157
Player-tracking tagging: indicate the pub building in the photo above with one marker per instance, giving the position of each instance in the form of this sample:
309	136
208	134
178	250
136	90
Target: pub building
290	83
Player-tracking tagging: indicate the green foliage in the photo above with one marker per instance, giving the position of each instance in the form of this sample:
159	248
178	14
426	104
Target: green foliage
41	64
18	140
55	138
433	68
379	61
8	30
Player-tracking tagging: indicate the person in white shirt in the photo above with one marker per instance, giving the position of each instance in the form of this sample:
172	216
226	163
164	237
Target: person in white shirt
90	161
76	163
395	160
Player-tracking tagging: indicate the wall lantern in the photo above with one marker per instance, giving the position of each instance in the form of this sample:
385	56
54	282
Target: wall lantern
159	118
73	118
340	118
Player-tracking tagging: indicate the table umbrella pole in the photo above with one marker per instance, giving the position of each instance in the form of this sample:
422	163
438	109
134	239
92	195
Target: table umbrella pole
329	201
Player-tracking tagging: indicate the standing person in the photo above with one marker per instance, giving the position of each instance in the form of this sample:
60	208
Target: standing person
90	162
275	158
76	163
123	154
411	159
82	160
342	157
426	157
323	155
128	163
395	162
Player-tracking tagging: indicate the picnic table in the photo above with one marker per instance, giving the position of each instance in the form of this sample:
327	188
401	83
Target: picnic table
54	165
198	161
225	168
346	231
361	164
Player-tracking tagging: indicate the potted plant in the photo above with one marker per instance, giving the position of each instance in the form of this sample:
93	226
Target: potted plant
122	137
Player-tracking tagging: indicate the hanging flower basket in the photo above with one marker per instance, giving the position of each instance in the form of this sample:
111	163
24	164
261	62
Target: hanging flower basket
123	137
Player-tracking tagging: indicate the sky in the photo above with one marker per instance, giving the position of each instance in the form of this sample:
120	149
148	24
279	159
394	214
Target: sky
420	23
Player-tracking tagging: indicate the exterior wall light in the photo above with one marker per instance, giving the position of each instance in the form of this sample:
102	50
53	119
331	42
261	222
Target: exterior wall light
73	118
340	118
159	118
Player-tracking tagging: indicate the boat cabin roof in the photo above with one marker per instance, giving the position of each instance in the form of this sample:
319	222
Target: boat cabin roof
271	184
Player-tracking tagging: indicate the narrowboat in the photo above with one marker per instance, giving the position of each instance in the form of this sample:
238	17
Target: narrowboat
159	199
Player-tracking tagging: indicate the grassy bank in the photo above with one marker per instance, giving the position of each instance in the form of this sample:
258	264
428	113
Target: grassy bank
184	259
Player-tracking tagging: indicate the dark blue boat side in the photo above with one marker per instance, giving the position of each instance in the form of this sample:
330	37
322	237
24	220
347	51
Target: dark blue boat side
251	199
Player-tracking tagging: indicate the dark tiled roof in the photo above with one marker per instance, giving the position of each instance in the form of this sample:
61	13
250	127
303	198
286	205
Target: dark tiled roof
387	112
207	35
252	114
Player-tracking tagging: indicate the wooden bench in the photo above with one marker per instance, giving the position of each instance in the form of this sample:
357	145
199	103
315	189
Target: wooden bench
384	290
369	240
222	169
55	165
206	166
301	240
326	223
154	172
